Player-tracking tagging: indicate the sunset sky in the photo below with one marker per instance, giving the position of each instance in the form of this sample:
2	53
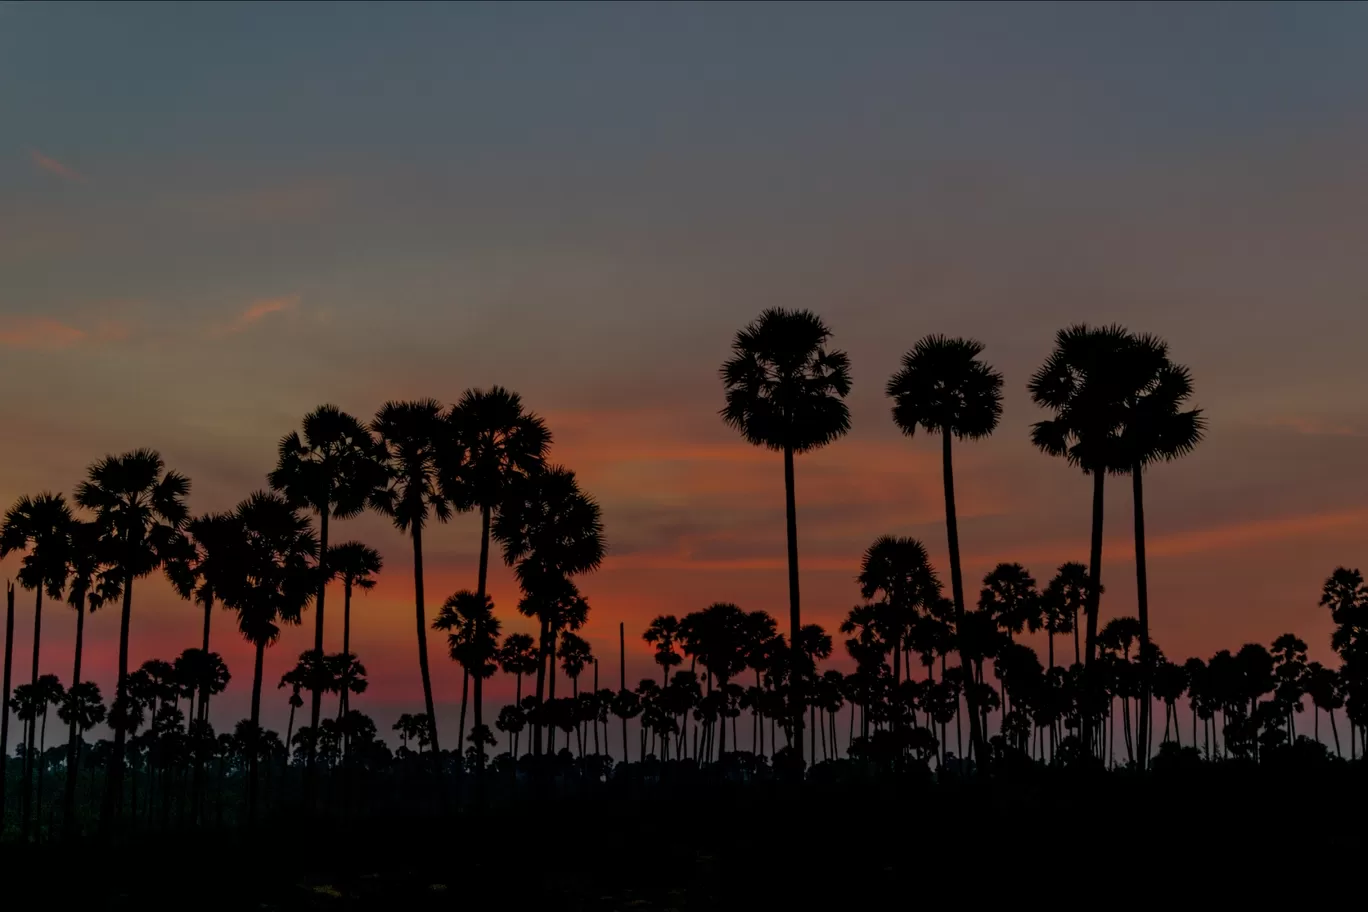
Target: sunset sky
214	218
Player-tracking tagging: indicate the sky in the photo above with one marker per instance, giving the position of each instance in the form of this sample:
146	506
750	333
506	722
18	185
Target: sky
215	217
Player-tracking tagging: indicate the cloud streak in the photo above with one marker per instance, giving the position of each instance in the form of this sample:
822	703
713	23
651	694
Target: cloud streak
39	334
257	311
54	167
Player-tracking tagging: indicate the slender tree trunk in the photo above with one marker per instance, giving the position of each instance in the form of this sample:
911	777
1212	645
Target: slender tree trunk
480	589
1142	600
1334	729
1094	574
73	736
957	589
113	797
551	686
465	694
541	684
255	746
622	685
422	647
5	697
1052	633
26	804
795	619
346	644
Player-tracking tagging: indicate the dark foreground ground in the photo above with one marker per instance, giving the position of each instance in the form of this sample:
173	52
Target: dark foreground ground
1216	836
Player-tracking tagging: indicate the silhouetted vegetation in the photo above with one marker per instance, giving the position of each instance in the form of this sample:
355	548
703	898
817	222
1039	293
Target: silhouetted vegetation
934	691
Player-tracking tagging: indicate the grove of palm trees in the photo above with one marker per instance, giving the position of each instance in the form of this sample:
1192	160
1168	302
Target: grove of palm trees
925	689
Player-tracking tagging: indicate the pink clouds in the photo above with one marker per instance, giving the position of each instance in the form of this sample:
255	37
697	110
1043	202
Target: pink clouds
54	167
257	311
38	334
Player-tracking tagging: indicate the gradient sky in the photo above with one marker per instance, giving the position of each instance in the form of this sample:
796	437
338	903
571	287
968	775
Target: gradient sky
216	217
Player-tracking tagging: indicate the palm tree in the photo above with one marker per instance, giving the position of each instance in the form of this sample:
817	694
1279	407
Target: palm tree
140	507
42	525
333	470
1156	429
943	388
215	535
1063	598
82	709
4	697
1323	686
717	637
272	583
357	565
518	656
500	441
575	655
48	692
785	391
93	583
415	438
550	531
899	571
1088	381
662	633
473	641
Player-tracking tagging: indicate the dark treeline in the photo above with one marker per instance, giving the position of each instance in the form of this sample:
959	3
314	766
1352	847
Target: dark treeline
941	688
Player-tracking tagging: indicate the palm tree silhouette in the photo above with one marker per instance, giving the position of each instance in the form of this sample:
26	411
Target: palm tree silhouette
333	470
518	656
785	391
5	696
275	579
1156	428
662	633
356	564
575	655
42	525
945	389
717	637
473	641
500	441
899	572
417	441
140	507
93	583
82	709
550	531
214	535
1323	686
1063	598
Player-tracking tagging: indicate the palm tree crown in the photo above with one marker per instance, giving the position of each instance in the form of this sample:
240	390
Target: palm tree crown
784	389
944	388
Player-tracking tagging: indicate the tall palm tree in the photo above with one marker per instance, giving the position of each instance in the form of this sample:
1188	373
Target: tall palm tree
550	531
1157	428
575	655
333	470
472	640
1088	381
42	525
416	441
272	581
215	535
1064	597
93	583
499	441
717	637
943	388
786	391
140	507
356	564
663	633
898	571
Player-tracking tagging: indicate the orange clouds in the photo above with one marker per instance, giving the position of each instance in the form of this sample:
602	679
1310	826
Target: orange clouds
257	311
54	167
38	334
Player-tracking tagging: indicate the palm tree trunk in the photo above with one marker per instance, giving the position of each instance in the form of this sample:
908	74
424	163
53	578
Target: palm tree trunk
113	797
28	749
73	752
551	686
481	584
1094	572
1142	602
957	587
795	619
465	694
1334	729
254	748
541	685
4	698
622	684
422	646
316	697
346	644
